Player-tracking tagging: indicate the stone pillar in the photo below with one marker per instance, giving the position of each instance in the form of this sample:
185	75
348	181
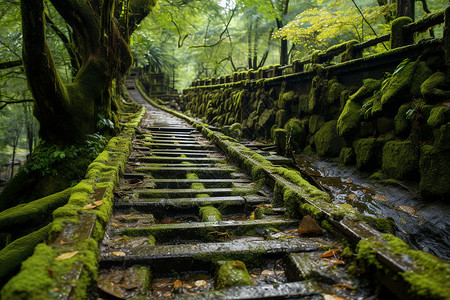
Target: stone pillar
399	36
446	36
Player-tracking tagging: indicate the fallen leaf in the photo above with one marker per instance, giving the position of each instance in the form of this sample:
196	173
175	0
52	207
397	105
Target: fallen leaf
118	253
335	261
115	224
56	289
66	255
404	232
200	283
348	180
98	203
352	196
238	264
50	272
167	294
61	242
252	216
309	225
420	223
406	209
332	297
177	284
266	272
330	253
379	198
402	220
90	206
343	285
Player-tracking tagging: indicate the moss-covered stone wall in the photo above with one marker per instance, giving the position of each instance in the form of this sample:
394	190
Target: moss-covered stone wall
383	113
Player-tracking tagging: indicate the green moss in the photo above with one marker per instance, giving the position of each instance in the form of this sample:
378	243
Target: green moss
210	214
370	86
435	88
366	153
396	91
427	275
327	142
400	160
401	122
232	273
17	251
439	115
296	133
347	156
349	120
315	123
386	225
434	171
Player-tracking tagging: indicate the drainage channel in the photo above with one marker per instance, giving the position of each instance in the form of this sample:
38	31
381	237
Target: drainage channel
188	223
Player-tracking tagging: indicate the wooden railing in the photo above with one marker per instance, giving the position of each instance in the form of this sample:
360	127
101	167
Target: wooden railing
402	34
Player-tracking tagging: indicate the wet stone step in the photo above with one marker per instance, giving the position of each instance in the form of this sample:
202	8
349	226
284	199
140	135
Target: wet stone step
175	165
162	159
180	172
187	183
170	129
174	141
179	193
226	204
178	146
205	231
192	256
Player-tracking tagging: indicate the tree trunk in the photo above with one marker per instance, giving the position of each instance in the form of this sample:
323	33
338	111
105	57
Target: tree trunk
405	8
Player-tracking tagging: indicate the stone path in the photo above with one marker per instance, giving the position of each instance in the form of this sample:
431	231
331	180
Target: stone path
187	223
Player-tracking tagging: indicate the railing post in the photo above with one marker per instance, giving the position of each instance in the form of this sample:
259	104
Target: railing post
399	36
446	36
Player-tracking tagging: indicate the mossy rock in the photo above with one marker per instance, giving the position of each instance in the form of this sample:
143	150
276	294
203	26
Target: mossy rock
434	172
303	101
236	131
280	141
367	90
366	129
266	119
439	115
232	273
435	88
349	120
347	156
396	91
281	117
286	99
296	133
422	73
327	141
401	123
315	122
210	214
366	151
442	137
400	160
334	92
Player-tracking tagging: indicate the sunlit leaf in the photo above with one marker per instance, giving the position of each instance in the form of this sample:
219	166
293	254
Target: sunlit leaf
118	253
177	284
379	198
343	285
330	253
352	196
66	255
200	283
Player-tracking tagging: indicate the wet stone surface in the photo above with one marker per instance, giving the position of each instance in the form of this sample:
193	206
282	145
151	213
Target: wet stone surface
156	244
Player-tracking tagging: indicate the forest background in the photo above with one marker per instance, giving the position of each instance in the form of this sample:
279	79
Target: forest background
191	39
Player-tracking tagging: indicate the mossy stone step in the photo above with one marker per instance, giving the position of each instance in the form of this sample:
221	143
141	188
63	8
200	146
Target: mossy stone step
206	231
179	193
179	160
161	207
173	172
169	129
170	135
177	165
192	256
178	153
186	183
176	146
174	141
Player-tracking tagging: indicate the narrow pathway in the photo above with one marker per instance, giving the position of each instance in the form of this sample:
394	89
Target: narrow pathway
187	223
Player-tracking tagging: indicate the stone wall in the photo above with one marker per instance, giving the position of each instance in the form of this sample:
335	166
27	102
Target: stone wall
389	114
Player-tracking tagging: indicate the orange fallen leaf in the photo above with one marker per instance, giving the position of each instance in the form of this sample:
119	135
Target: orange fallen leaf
238	264
379	198
90	206
50	272
348	180
118	253
61	242
335	261
343	285
177	284
330	253
98	203
406	209
332	297
66	255
352	196
266	272
115	224
200	283
420	223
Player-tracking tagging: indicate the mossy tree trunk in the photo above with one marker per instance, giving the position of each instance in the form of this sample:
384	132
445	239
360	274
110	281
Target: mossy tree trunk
67	112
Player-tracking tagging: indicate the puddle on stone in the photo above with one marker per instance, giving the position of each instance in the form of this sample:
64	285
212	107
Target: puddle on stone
422	223
190	284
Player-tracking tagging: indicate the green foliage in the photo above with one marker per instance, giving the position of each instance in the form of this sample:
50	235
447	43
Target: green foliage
46	156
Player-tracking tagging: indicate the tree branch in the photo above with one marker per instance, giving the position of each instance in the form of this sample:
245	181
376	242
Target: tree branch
220	37
10	64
